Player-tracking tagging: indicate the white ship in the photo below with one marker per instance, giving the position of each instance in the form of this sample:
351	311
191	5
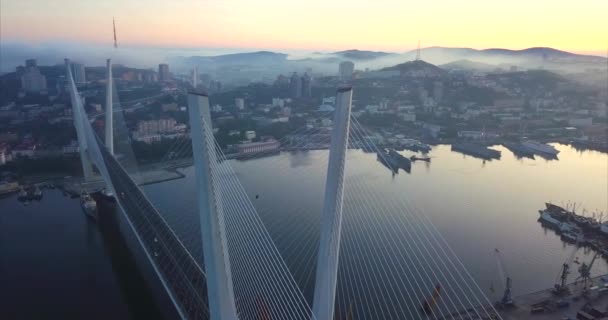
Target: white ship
89	206
538	147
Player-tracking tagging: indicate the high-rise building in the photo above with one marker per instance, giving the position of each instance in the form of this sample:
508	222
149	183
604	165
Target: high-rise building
79	73
306	86
295	86
163	72
346	70
32	80
240	103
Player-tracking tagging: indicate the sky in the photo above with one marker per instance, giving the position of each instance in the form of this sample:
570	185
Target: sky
393	25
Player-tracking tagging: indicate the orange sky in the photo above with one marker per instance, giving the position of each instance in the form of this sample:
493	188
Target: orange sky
313	24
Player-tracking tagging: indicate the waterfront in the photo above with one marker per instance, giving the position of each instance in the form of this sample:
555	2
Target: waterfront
54	263
478	206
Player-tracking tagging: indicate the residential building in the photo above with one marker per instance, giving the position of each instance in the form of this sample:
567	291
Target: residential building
163	72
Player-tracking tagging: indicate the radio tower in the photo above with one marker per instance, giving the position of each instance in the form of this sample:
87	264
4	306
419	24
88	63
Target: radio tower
114	26
418	52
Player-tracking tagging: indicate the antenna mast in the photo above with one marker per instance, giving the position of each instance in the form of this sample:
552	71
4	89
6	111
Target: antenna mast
418	51
114	27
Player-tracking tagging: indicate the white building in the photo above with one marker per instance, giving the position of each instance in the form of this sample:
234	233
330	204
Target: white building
250	135
240	103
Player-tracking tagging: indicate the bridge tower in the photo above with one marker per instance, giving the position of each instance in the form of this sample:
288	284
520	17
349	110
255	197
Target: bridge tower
109	141
87	167
215	249
331	218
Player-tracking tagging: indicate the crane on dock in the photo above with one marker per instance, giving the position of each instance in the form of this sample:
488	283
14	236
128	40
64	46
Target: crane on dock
585	272
561	286
507	298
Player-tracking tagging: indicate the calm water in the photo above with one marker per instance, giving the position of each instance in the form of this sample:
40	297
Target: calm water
476	205
53	263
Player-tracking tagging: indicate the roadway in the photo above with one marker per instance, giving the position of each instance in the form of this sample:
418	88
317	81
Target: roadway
180	272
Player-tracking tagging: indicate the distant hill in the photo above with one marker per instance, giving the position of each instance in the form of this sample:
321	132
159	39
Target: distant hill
537	57
362	54
417	68
255	58
465	64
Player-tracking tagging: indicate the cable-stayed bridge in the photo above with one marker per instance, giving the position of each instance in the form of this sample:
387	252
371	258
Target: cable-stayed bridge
360	262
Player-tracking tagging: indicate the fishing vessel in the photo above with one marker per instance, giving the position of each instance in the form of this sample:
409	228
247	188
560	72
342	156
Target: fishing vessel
89	206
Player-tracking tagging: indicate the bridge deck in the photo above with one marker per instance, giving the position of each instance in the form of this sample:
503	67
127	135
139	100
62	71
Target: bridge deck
181	274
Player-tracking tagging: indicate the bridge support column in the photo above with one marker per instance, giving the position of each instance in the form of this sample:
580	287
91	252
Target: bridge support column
215	250
109	141
331	218
87	166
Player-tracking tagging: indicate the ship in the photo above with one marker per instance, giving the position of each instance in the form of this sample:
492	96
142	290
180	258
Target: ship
387	161
415	145
519	150
540	148
403	162
547	218
89	206
476	150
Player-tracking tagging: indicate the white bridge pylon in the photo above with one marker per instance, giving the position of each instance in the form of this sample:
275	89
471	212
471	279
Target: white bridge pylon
215	247
331	217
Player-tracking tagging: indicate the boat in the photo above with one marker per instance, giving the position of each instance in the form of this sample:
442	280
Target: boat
547	218
402	161
540	148
8	187
519	150
476	150
387	161
37	193
571	237
89	206
415	145
415	158
22	195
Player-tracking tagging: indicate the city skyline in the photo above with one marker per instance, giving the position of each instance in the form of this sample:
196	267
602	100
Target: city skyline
385	25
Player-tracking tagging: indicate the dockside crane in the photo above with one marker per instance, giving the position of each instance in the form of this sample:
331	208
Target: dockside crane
561	287
585	272
507	298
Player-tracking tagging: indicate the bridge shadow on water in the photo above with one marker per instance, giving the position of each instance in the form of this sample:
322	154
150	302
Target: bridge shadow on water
138	293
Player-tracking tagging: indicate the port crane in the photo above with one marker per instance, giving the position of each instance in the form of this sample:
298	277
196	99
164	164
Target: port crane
507	299
561	286
585	272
